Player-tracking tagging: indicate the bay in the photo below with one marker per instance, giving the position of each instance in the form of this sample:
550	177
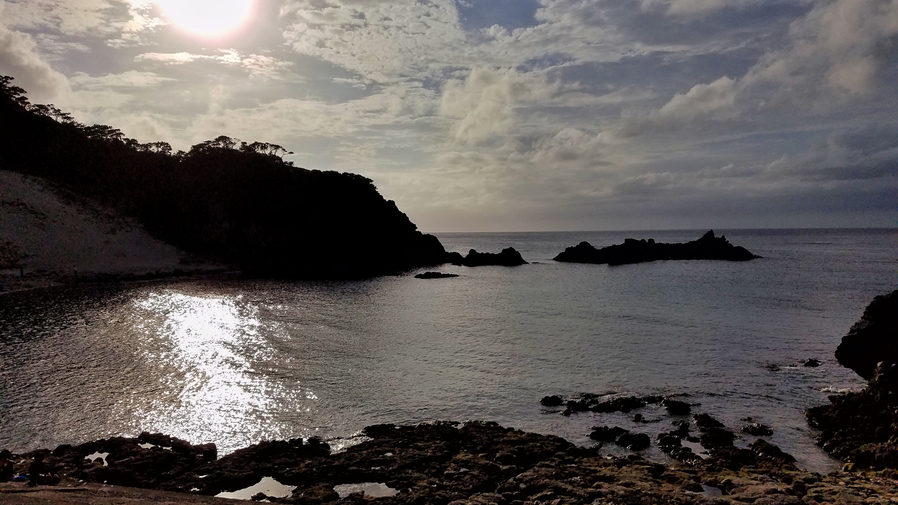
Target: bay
235	361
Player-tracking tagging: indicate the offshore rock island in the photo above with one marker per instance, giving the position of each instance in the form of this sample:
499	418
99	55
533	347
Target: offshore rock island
708	247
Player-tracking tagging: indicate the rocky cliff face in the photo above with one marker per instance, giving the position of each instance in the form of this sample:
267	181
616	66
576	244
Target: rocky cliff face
861	428
872	339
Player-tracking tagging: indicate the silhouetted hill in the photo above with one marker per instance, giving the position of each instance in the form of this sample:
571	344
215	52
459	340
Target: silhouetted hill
225	199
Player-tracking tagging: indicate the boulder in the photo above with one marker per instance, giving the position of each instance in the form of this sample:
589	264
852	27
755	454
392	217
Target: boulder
677	408
757	429
634	441
872	339
606	434
551	401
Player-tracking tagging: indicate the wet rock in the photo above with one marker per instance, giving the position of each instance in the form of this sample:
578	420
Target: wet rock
677	408
552	401
634	441
757	429
872	339
811	362
716	437
705	422
769	451
606	434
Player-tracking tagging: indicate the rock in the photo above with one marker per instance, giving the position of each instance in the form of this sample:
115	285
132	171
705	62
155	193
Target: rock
860	428
757	429
708	247
677	408
811	363
705	422
634	441
552	401
716	437
606	434
622	404
509	257
872	339
434	275
767	450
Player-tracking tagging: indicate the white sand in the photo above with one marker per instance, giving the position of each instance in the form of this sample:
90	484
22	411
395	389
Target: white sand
46	231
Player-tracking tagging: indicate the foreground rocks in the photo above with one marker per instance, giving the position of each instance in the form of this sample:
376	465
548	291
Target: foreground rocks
708	247
474	463
861	428
872	339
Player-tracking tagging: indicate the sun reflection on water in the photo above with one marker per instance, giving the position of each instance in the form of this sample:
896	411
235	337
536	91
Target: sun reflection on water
211	357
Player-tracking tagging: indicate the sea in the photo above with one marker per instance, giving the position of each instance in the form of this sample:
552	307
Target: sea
234	361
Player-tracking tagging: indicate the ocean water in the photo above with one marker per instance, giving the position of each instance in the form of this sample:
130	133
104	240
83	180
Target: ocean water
235	361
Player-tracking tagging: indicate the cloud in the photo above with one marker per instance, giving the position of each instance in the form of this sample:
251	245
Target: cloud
129	79
19	59
254	64
837	47
380	40
716	100
484	102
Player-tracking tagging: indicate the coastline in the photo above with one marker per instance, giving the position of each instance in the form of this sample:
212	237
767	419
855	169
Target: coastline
471	463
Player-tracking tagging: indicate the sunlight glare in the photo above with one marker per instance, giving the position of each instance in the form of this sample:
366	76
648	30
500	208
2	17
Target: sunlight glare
207	18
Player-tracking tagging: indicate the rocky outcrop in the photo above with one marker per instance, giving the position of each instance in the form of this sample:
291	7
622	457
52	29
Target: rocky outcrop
861	428
474	463
872	339
708	247
509	257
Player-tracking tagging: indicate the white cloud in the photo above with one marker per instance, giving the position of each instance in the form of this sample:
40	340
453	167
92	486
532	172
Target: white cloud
382	40
716	100
484	103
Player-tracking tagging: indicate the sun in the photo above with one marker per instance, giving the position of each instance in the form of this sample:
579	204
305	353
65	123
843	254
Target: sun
207	18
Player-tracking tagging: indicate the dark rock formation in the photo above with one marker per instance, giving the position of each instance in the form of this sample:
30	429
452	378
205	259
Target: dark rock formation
552	401
872	339
474	464
757	429
708	247
811	363
606	434
509	257
677	408
634	441
434	275
861	428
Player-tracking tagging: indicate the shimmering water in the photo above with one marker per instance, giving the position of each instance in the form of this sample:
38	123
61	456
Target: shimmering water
237	361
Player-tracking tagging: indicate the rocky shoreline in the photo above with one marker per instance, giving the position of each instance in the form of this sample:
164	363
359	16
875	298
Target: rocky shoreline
474	463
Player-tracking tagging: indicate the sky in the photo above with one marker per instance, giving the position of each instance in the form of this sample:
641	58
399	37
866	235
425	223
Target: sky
507	115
